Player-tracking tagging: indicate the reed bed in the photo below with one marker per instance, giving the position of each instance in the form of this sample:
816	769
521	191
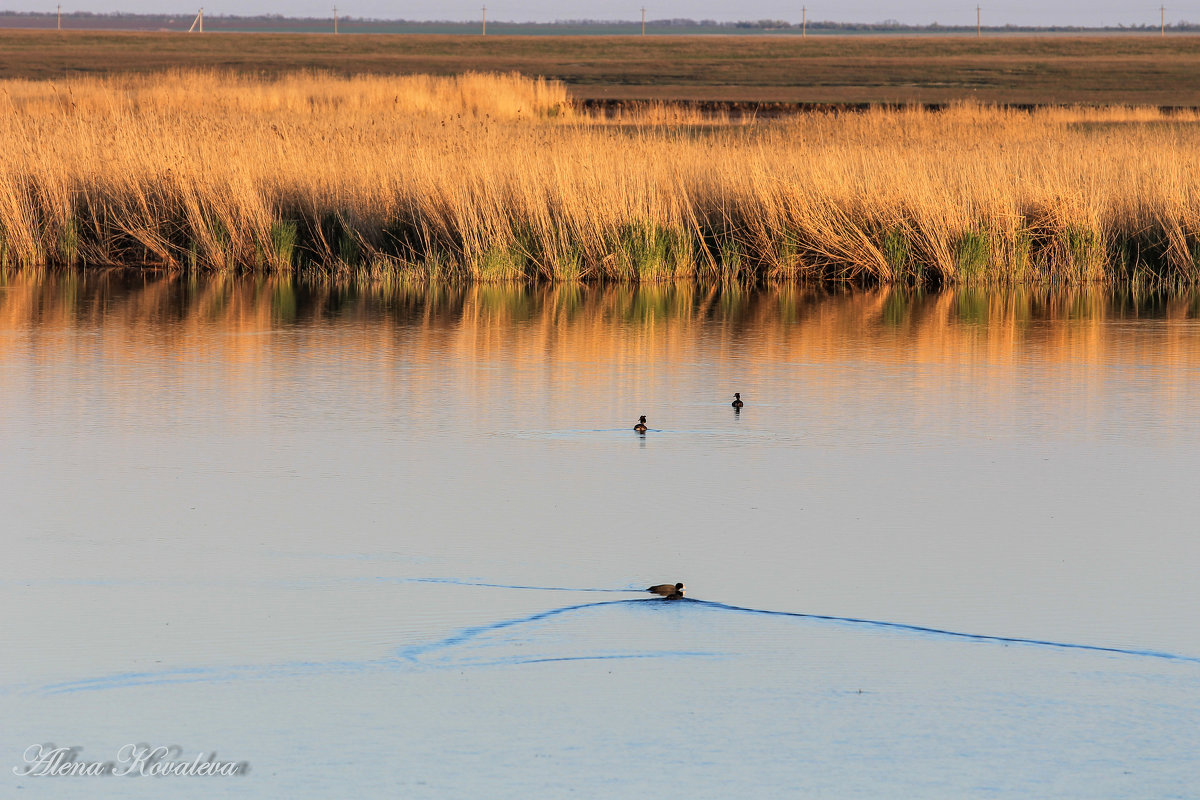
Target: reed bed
498	177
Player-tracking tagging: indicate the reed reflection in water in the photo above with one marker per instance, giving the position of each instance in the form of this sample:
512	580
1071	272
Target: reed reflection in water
787	321
608	341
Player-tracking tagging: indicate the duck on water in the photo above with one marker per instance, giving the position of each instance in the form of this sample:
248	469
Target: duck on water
668	590
641	426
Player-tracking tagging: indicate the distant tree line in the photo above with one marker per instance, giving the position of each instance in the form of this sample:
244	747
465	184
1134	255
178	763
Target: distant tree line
116	20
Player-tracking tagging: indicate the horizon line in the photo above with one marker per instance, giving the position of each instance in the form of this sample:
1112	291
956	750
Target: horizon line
748	24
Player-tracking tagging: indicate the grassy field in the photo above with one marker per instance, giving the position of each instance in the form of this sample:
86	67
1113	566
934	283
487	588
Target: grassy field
1100	70
501	178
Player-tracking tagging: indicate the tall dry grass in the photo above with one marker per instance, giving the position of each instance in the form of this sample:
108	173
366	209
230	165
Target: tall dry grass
497	177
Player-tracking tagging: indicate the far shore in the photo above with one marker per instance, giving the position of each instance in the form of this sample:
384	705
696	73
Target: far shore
1136	68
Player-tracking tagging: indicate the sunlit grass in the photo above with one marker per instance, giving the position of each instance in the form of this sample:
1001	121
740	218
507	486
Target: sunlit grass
498	178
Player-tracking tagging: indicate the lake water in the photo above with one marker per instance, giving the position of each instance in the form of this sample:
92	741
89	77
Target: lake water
387	541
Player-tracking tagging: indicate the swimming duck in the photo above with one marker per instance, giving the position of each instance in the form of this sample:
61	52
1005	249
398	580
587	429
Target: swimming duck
641	426
669	591
737	400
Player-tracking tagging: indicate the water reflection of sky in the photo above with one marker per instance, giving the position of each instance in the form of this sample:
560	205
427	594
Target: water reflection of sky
287	521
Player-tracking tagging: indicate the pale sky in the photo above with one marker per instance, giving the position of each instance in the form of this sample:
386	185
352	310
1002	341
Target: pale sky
946	12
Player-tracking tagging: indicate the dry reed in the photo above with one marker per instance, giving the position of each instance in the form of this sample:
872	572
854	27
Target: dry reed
497	177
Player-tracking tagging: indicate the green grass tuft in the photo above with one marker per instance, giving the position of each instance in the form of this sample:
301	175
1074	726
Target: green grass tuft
500	263
894	247
972	252
1083	249
283	237
731	260
652	252
68	242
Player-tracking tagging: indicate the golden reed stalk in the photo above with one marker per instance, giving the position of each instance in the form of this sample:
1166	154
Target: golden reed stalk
497	177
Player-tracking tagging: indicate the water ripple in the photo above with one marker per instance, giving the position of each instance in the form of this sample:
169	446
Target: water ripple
414	654
982	637
457	582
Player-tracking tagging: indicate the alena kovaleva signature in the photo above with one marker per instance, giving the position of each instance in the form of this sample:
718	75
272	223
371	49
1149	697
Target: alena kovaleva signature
47	760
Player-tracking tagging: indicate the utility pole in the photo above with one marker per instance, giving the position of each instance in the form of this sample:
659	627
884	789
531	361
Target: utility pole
978	23
643	20
60	17
335	20
1162	21
804	22
484	21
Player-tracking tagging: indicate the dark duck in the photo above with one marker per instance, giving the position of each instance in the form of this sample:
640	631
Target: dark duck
668	590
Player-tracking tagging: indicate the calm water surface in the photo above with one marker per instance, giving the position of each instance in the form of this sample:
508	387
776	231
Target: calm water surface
386	541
